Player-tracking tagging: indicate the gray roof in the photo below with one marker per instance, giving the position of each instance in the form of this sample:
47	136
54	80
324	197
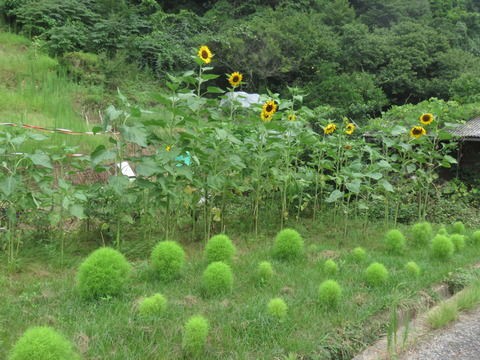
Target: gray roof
471	129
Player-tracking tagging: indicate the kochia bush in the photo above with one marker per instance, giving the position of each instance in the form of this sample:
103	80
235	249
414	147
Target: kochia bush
152	306
168	260
219	248
195	335
264	271
458	241
359	254
217	279
288	244
422	233
458	228
42	343
442	247
104	272
277	308
476	237
376	274
329	293
330	267
395	241
412	269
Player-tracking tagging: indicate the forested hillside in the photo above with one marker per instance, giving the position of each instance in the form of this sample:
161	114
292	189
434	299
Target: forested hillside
357	57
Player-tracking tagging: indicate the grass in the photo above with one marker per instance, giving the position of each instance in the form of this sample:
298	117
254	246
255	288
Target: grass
34	90
443	315
42	293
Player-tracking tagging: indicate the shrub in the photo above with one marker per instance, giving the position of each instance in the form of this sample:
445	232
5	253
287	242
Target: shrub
277	308
442	231
219	248
359	254
330	267
458	241
442	247
288	244
412	269
264	271
395	241
42	343
195	335
376	274
168	259
476	237
458	228
217	279
103	273
329	293
152	306
422	233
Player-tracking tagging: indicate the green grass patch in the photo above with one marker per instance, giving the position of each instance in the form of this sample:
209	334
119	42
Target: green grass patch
442	315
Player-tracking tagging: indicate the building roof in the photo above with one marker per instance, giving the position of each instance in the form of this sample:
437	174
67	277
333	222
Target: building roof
469	130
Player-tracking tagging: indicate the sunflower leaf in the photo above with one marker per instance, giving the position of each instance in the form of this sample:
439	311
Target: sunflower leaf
334	196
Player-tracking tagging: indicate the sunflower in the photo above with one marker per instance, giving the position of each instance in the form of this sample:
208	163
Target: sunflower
329	129
270	107
350	128
417	132
168	147
205	54
266	117
426	119
235	79
292	117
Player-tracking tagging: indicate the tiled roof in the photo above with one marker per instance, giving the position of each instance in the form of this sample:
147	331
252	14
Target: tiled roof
471	129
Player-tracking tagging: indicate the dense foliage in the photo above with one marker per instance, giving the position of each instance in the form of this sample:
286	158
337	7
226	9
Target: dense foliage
357	57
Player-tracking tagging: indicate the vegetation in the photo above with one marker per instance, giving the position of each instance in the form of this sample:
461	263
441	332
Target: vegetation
413	269
154	305
265	271
195	335
395	241
105	272
217	279
329	293
219	248
42	343
442	247
376	274
168	260
330	267
422	233
288	244
277	309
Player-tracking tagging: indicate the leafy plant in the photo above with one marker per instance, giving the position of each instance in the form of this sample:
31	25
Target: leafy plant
395	241
412	269
442	247
195	335
376	274
217	279
277	308
154	305
329	293
219	248
168	259
359	254
458	228
288	244
330	267
264	271
421	233
458	241
105	272
42	343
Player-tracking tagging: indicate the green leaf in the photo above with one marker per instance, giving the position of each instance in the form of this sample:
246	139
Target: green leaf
136	134
148	167
214	90
209	76
354	186
375	176
77	210
386	185
334	196
101	154
41	159
8	185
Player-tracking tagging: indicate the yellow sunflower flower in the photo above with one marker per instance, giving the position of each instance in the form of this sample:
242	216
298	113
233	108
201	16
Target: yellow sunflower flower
270	107
426	119
266	117
417	132
292	117
168	147
205	54
235	79
350	128
329	129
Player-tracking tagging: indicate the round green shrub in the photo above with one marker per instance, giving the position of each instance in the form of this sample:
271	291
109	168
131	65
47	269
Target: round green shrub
476	237
442	247
103	273
329	293
422	233
458	228
154	305
264	271
195	335
167	259
376	274
217	279
412	269
288	244
458	241
277	308
442	231
219	248
359	254
42	343
330	267
395	241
